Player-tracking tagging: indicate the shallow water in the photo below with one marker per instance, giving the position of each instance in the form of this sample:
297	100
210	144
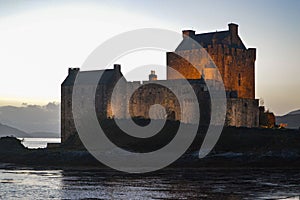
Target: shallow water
165	184
35	143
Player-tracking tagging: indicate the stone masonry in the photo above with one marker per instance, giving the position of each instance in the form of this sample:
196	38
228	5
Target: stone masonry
236	65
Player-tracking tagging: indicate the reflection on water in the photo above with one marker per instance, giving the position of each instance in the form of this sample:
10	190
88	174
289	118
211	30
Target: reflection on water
35	143
165	184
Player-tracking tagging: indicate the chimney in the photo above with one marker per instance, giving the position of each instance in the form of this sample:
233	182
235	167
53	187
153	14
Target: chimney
152	76
233	28
117	67
73	71
188	33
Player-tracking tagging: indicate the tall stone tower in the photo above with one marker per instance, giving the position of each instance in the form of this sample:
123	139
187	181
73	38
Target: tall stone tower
235	62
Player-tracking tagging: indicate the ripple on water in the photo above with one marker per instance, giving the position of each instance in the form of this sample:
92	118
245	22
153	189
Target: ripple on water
165	184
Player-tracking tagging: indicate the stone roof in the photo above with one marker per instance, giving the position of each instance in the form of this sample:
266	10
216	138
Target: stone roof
106	78
206	39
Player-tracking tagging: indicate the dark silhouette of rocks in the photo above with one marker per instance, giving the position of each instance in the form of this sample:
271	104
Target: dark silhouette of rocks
237	147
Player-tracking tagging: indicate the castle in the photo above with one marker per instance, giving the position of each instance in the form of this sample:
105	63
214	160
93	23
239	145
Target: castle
236	65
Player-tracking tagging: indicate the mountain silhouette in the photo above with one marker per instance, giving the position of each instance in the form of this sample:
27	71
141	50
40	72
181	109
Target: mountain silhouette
292	119
32	118
10	131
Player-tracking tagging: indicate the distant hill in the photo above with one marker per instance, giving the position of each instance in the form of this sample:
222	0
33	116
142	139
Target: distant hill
44	135
10	131
292	119
32	118
296	112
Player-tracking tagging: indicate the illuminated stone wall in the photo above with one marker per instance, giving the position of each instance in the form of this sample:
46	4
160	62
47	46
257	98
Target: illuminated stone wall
235	62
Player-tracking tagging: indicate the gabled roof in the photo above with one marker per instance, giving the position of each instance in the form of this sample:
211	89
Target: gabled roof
206	39
106	78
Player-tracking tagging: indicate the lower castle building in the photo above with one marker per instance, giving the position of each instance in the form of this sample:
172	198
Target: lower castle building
234	61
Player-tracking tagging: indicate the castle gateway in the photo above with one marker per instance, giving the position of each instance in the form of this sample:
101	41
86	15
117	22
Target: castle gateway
236	65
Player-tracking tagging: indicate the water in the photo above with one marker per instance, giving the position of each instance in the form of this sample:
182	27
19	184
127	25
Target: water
166	184
34	143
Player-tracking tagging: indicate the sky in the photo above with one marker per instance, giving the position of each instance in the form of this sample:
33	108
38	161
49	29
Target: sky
40	40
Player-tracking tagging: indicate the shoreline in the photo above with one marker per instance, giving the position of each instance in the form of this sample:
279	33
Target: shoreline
236	148
15	166
82	160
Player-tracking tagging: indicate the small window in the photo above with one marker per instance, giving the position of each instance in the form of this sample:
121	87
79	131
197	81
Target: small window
239	80
69	104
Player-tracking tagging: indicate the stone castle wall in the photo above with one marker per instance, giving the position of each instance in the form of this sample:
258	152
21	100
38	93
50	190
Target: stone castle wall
236	66
67	123
151	93
240	112
235	63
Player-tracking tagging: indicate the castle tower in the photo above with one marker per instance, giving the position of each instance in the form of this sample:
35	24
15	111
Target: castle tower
234	61
102	100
